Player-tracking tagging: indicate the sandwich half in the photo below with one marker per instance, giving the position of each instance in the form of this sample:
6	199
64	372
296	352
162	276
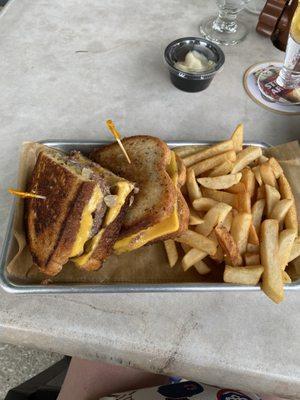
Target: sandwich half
159	211
81	217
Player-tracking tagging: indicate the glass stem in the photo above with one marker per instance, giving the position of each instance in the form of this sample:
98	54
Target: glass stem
225	22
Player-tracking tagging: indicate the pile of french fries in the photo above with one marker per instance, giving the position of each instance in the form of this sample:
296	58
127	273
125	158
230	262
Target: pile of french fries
242	214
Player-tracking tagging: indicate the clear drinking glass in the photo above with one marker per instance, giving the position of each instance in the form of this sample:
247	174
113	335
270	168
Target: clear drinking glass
274	82
224	29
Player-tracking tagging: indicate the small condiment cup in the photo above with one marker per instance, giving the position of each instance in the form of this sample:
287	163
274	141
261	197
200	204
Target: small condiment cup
196	81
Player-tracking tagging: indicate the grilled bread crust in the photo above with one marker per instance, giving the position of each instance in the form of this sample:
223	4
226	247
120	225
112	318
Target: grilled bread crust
157	194
52	224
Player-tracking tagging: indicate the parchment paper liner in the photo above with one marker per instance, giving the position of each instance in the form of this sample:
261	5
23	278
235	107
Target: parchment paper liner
146	265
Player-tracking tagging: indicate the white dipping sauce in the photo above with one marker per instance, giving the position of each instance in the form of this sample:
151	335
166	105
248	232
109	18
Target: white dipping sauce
194	62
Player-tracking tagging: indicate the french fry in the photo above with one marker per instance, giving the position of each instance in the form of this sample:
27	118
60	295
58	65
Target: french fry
206	165
205	174
295	252
220	196
262	159
210	221
198	241
213	217
249	275
253	237
243	202
285	244
281	209
252	259
261	192
234	212
220	182
191	257
238	138
285	190
221	169
245	157
248	179
228	245
228	221
204	204
212	151
257	175
272	197
232	190
252	248
276	167
185	151
272	277
237	188
171	251
194	218
240	230
267	175
185	247
202	268
218	256
257	213
243	205
192	186
286	278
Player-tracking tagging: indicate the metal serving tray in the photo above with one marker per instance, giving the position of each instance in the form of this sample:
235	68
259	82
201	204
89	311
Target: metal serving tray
14	287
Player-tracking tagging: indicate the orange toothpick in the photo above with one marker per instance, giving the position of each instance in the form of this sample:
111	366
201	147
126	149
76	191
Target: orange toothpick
111	126
25	195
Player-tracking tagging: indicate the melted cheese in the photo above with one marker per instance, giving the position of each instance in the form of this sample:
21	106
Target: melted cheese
165	227
86	222
123	190
81	260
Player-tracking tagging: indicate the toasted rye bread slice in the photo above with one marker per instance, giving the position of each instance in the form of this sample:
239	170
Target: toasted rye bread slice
157	194
52	224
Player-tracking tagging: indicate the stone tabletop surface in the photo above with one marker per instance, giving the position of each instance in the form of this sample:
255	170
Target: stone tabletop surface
67	66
